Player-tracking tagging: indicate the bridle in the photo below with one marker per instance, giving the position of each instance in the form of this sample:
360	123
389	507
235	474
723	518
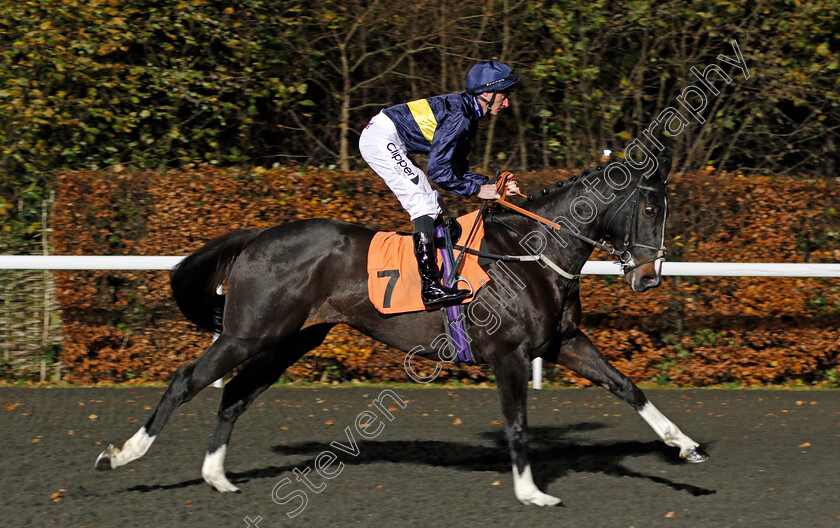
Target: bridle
625	258
622	254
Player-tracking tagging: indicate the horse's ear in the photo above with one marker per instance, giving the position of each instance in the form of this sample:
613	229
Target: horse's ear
665	159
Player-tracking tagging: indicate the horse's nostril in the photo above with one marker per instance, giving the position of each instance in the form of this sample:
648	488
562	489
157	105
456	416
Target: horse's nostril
648	280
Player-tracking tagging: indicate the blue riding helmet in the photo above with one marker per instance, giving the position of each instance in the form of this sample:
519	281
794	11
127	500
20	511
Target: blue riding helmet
491	76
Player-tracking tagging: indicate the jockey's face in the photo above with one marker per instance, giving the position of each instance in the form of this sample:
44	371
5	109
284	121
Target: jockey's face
499	102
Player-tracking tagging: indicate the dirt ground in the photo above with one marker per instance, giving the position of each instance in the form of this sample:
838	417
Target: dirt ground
441	460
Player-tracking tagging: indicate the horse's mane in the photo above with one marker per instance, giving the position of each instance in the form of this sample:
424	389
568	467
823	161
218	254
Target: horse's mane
566	185
563	186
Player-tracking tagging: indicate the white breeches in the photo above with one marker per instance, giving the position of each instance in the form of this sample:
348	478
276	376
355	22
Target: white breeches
382	149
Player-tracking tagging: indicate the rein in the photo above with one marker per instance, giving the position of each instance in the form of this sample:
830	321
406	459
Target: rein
625	259
623	256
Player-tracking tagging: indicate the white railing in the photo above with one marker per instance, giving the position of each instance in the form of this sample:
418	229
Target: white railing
686	269
79	262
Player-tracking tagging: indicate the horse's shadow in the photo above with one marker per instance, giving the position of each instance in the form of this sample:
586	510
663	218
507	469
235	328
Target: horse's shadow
552	457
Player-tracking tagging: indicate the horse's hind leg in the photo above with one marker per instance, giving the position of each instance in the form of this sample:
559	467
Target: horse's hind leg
580	355
512	379
224	354
255	377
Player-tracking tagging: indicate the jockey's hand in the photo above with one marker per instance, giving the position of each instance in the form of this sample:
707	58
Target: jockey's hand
488	192
512	187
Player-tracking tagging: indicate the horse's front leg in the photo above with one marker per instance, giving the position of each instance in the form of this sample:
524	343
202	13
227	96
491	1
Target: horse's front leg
512	380
580	355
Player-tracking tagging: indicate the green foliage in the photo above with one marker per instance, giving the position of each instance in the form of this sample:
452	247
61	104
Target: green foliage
88	84
704	337
151	83
606	69
146	83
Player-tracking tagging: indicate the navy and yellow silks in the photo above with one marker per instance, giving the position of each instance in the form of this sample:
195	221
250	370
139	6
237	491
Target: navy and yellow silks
443	127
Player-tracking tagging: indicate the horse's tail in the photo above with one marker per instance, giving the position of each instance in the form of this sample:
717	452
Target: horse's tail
195	279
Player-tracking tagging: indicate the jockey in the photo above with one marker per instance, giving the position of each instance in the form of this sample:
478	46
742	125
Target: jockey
443	127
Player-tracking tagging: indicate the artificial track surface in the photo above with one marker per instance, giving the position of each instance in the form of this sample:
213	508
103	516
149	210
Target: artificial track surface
442	462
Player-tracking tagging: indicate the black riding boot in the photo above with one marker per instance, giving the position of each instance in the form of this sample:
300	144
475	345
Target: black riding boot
432	291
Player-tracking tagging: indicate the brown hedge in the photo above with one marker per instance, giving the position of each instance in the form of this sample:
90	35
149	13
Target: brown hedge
120	326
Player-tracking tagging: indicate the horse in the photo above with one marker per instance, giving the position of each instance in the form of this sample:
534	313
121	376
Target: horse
289	284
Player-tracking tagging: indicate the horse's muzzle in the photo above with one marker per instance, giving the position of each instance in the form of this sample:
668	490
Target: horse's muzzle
644	277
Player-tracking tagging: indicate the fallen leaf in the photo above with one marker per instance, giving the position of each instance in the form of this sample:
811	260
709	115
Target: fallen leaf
329	422
670	515
36	440
56	497
806	444
189	501
497	483
12	406
457	421
93	416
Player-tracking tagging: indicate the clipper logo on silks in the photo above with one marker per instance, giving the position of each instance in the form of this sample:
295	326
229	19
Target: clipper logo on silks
402	164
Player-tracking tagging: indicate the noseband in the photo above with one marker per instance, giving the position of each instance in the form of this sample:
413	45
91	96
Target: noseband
625	258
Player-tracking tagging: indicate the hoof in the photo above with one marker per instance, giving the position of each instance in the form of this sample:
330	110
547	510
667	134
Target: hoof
696	455
229	488
541	499
103	461
221	484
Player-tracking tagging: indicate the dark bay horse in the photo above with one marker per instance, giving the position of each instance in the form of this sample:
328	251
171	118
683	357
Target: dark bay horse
288	285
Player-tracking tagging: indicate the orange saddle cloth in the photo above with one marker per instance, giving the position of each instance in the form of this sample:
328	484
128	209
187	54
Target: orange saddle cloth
393	279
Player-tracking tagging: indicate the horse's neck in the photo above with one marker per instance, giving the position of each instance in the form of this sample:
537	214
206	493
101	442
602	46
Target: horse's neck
584	206
568	251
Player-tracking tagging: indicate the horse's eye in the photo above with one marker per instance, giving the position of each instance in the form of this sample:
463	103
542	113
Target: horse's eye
649	210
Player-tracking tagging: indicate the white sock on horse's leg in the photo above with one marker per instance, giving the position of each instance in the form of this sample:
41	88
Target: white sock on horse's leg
666	430
213	470
133	448
527	491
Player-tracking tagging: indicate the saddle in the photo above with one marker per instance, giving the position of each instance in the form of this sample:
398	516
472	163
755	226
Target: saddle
393	279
